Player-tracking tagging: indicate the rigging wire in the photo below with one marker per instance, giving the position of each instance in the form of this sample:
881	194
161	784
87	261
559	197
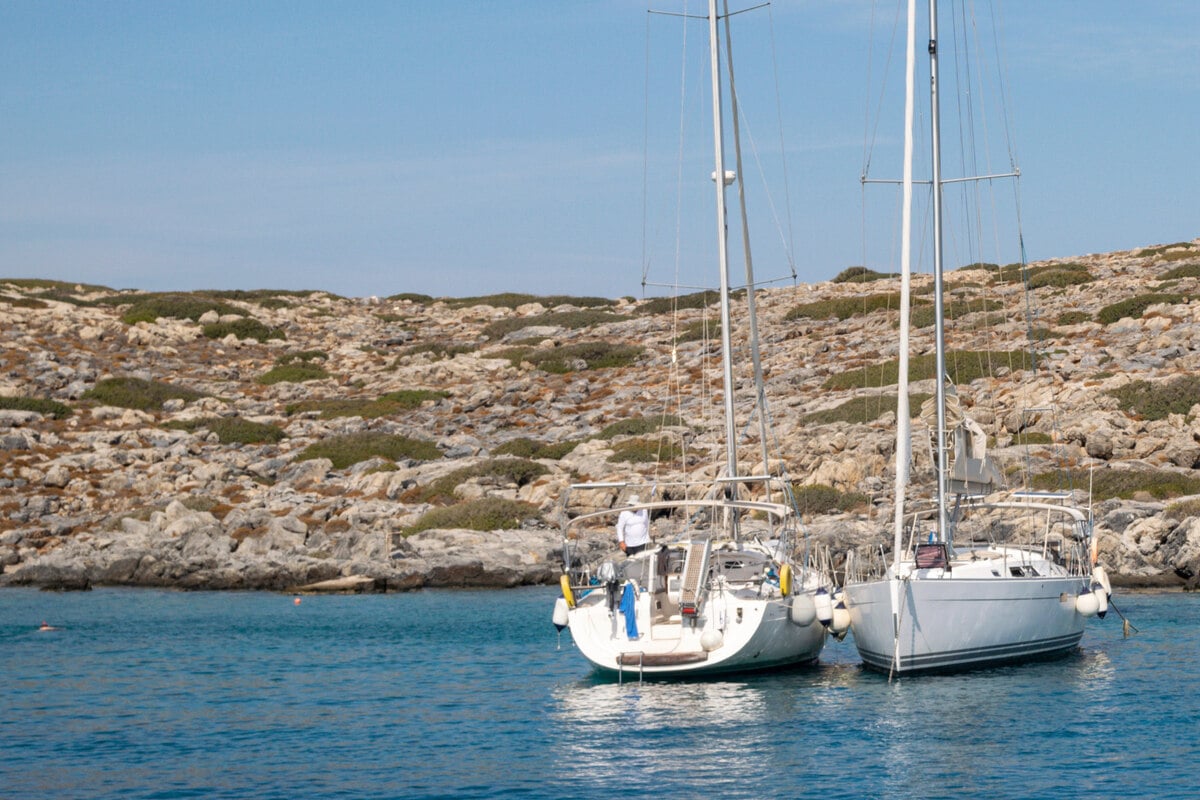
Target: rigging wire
871	134
646	158
789	244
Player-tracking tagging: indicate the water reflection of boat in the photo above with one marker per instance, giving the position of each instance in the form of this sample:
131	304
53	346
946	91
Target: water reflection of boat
673	722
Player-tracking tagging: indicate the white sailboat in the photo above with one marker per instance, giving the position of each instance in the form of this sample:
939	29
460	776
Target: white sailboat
954	597
725	585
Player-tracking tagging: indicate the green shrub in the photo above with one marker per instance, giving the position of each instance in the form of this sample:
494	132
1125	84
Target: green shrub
1156	400
1027	438
572	320
486	514
439	350
47	408
520	471
862	275
274	303
302	356
846	307
390	404
639	426
422	299
865	408
641	451
529	448
22	302
1059	277
53	285
514	300
231	430
1161	249
1177	255
1073	318
669	305
1134	307
293	373
244	328
1122	483
1182	271
148	308
923	315
347	450
267	298
522	447
818	498
569	358
138	394
963	367
984	322
62	296
412	398
702	330
1182	509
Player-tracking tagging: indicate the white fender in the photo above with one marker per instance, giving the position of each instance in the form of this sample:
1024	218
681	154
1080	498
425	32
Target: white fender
1101	577
1087	604
841	620
803	611
560	617
1101	600
823	604
711	639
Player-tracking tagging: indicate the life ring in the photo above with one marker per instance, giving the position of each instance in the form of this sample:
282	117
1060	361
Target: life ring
568	595
785	579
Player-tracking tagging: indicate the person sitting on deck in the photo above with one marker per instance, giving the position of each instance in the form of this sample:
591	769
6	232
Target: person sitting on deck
633	529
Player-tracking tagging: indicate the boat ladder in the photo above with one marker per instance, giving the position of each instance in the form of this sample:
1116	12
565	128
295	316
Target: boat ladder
695	568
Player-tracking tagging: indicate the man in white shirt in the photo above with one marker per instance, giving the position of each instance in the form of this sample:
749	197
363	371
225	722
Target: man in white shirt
633	529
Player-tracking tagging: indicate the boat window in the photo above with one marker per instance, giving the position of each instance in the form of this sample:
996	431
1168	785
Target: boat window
931	556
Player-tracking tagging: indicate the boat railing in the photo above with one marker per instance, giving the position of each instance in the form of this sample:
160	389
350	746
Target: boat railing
866	566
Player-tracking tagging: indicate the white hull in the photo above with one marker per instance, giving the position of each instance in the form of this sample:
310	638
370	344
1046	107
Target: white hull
701	604
758	633
949	623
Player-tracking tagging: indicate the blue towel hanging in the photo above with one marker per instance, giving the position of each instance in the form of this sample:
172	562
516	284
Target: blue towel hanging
629	609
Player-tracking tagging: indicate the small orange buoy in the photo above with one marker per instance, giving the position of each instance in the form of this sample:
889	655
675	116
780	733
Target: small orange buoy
296	602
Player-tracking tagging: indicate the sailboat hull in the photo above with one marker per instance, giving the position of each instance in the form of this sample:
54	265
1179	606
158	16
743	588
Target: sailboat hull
755	633
951	624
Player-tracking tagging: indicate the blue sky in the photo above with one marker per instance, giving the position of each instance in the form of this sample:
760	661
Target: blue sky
464	148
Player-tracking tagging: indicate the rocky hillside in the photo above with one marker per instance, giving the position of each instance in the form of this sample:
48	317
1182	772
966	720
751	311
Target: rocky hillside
276	439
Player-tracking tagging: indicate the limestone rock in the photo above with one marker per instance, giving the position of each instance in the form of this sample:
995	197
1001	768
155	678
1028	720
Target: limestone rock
109	494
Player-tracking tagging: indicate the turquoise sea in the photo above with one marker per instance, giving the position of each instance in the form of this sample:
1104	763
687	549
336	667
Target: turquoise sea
150	694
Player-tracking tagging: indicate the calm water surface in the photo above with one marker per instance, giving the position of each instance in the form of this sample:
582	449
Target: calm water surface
146	694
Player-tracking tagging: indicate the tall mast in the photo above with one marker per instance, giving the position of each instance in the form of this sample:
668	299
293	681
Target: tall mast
751	303
938	305
903	416
722	242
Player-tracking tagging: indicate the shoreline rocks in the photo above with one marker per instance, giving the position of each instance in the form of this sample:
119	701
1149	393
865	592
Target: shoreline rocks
174	493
